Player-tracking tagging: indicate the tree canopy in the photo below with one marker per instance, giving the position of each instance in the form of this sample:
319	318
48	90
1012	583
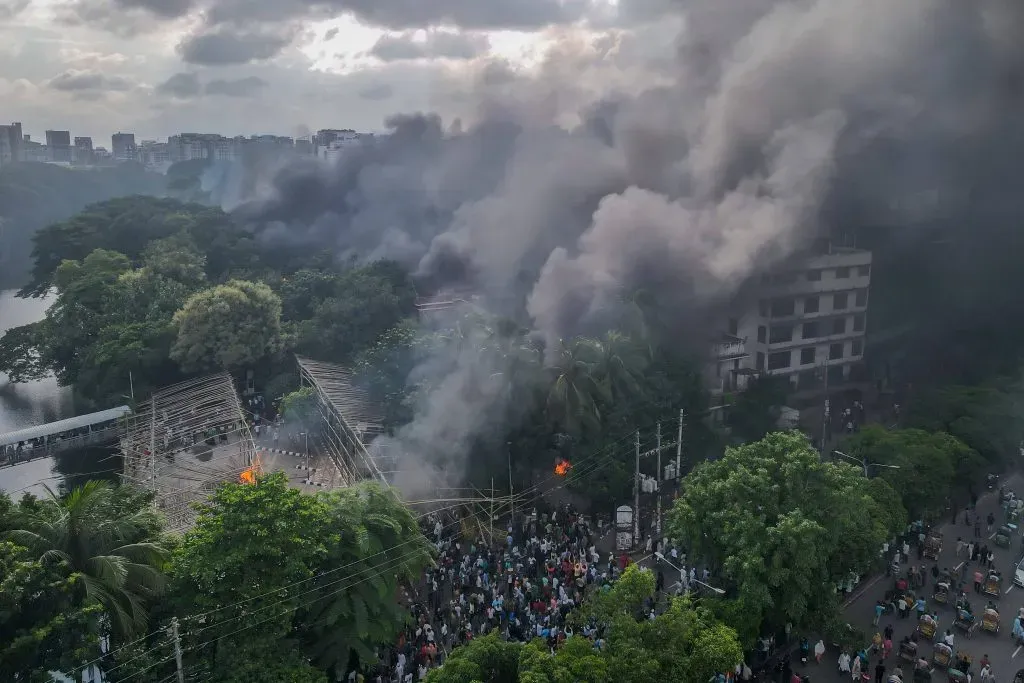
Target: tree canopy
782	527
922	466
268	568
34	195
228	326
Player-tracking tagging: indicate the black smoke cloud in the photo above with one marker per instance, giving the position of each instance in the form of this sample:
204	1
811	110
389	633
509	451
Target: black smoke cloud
767	125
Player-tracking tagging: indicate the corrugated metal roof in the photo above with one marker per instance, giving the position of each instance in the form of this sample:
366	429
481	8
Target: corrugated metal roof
59	426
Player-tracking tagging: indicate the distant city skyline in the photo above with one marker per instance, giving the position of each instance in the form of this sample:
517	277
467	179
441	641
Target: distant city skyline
156	68
62	147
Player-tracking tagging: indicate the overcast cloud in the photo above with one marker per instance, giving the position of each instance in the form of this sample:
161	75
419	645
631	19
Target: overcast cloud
434	45
157	67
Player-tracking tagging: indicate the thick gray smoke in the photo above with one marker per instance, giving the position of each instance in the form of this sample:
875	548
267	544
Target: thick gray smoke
613	167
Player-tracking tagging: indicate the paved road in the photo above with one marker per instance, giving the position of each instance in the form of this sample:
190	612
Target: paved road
1007	658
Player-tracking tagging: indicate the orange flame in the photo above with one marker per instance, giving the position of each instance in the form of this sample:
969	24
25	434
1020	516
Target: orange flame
563	467
247	476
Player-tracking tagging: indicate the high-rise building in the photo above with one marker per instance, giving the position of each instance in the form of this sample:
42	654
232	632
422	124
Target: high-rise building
11	144
58	143
122	146
808	326
83	151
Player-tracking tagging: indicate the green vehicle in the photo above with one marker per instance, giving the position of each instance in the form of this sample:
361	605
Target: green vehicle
1002	537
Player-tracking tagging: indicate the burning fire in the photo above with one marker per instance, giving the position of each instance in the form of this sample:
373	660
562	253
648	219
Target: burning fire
247	477
563	467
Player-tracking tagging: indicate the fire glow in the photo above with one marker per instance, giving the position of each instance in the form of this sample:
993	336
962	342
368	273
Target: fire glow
563	467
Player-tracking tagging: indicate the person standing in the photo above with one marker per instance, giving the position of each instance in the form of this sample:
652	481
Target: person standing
879	672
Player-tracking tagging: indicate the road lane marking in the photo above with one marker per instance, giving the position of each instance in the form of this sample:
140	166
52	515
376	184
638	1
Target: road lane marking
992	536
1016	651
957	568
1008	590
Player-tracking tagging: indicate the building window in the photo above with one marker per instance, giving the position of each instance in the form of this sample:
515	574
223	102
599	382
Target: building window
835	351
838	325
777	361
762	334
810	331
813	275
858	348
863	271
784	278
807	356
858	323
839	301
780	334
842	273
861	298
811	304
734	326
760	361
783	307
762	306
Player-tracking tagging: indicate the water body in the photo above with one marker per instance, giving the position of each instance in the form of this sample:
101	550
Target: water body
25	405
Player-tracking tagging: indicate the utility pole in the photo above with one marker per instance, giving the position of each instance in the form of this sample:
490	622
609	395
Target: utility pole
511	500
658	480
636	493
679	446
825	409
152	438
177	648
492	512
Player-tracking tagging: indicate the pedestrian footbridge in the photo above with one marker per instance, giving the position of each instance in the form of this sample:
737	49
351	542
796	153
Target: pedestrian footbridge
94	429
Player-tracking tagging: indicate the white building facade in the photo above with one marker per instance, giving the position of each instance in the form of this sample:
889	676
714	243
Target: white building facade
808	326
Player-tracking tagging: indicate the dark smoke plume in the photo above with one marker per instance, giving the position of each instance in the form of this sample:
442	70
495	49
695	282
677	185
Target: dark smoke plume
763	125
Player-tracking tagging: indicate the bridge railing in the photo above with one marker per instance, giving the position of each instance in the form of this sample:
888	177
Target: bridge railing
10	455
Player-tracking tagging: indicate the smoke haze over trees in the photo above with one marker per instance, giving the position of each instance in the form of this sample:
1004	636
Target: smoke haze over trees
615	170
32	196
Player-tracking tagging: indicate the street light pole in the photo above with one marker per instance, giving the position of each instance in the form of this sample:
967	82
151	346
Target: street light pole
682	575
864	463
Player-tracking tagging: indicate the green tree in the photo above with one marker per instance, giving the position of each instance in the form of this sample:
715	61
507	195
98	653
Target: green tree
228	326
922	465
987	418
384	369
620	365
44	624
242	571
352	312
780	526
177	258
300	406
109	539
34	195
270	570
376	545
487	659
576	394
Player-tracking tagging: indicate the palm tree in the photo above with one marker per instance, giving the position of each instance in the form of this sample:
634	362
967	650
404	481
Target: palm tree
109	540
620	363
576	390
380	544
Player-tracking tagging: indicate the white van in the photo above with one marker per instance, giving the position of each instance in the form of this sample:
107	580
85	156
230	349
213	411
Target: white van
1018	574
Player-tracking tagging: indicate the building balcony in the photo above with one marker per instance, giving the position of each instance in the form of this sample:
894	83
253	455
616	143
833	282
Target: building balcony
731	348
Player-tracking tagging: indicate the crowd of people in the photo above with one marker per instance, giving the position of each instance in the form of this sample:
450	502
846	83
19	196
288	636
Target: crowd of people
522	586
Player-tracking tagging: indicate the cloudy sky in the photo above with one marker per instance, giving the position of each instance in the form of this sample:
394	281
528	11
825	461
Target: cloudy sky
157	67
